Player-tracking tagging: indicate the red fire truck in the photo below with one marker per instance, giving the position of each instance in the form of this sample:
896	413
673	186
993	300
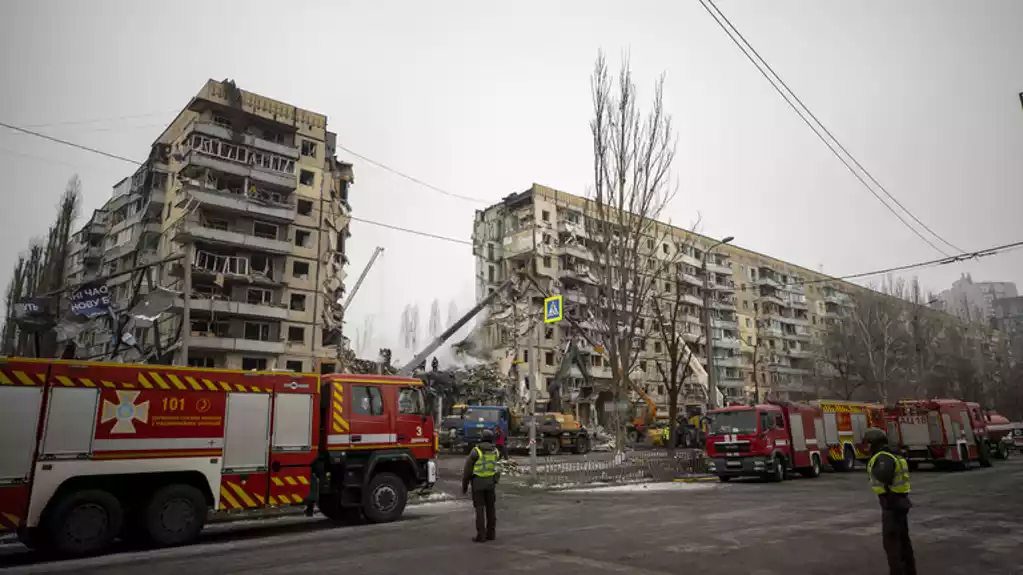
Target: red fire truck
937	431
96	451
765	440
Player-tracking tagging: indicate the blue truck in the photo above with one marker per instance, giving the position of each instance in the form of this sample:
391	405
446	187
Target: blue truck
555	432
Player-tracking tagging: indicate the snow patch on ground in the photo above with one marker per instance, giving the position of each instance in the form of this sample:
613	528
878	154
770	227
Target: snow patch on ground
648	488
430	498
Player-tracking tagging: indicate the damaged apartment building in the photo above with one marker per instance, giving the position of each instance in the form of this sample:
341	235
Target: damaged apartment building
760	311
248	190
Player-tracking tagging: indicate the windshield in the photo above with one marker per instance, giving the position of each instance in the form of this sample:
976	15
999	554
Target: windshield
482	414
734	422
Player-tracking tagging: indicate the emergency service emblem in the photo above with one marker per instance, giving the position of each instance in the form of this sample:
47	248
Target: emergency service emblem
125	412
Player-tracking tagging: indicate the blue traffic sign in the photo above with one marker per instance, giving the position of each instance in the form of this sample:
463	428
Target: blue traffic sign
552	309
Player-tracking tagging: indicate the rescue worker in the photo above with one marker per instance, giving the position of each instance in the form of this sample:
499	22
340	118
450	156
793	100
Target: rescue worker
889	478
666	435
499	442
481	470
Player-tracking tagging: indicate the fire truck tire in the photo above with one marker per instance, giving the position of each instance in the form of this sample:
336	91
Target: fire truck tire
174	515
777	474
82	523
385	498
814	470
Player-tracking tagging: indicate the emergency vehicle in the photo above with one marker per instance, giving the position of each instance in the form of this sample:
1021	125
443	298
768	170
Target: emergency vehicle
767	440
96	451
845	422
936	431
993	430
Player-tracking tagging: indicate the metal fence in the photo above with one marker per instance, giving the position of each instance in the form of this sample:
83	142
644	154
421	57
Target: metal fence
553	472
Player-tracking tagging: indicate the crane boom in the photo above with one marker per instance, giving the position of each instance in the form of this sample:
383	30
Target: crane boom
362	276
440	339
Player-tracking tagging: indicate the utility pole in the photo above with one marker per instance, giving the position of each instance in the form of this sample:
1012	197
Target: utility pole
712	379
186	307
534	368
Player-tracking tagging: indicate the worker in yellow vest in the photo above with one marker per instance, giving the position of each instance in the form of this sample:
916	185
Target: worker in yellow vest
889	479
481	471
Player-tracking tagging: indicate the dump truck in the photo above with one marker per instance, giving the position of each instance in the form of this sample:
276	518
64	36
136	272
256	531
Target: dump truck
555	432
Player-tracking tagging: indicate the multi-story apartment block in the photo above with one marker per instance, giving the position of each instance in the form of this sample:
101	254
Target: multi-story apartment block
1008	316
762	311
248	189
974	301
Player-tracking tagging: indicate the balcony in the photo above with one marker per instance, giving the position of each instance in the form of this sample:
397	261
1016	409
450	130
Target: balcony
731	324
575	297
727	305
574	250
772	299
92	253
798	303
226	307
692	280
216	131
735	362
726	287
718	268
691	299
519	243
236	344
799	353
771	331
835	298
274	178
728	343
196	232
264	208
768	281
730	383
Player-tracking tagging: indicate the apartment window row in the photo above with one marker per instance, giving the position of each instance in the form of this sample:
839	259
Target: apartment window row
240	154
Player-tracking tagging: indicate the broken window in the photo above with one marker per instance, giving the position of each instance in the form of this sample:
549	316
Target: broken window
300	270
657	347
548	358
547	261
296	334
257	331
545	215
298	302
490	274
261	264
306	178
302	238
216	224
259	296
309	148
254	363
490	252
222	121
305	208
264	230
548	333
293	365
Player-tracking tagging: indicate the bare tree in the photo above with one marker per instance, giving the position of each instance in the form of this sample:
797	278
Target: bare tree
41	272
632	157
839	356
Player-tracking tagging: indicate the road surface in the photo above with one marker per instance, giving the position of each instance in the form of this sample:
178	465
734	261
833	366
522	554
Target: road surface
963	523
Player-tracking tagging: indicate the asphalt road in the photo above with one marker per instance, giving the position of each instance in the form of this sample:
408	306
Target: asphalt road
963	523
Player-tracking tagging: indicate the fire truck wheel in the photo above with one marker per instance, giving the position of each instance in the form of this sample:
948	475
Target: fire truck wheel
174	515
385	498
815	468
777	474
83	522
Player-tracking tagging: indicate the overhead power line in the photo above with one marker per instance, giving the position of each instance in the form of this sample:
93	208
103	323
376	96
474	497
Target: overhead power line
72	144
137	163
102	120
920	265
763	67
414	180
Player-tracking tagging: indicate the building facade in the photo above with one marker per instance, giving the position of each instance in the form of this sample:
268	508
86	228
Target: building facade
763	314
1008	316
974	301
248	191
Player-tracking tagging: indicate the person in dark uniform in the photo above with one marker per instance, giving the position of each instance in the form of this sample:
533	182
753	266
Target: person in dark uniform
481	470
889	479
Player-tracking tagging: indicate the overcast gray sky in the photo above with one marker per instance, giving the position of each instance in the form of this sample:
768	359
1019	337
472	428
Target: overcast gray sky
483	99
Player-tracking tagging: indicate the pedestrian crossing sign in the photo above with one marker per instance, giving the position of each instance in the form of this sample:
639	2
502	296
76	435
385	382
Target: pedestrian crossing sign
552	309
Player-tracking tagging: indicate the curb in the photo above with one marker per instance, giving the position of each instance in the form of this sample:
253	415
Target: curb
696	478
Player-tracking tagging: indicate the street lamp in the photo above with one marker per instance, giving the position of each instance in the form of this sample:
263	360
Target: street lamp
712	386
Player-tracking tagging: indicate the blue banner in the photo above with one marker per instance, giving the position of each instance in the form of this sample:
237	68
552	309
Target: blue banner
90	300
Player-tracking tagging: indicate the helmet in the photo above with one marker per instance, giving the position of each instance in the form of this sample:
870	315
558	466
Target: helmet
488	435
875	436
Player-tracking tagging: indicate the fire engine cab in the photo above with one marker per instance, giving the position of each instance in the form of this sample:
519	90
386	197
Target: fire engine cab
937	431
96	451
767	440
